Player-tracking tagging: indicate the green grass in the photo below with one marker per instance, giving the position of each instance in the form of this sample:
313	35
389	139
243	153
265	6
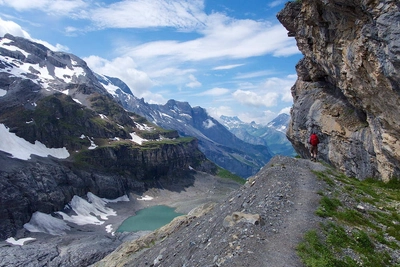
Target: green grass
351	237
324	176
159	143
328	207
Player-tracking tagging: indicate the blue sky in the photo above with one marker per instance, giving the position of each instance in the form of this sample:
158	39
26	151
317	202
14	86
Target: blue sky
231	57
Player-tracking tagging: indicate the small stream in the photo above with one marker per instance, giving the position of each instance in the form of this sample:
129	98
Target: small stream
149	219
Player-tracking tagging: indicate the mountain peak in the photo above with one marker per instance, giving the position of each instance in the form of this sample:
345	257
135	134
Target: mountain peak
22	59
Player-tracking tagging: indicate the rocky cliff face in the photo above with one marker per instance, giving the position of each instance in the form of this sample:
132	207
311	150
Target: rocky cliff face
348	83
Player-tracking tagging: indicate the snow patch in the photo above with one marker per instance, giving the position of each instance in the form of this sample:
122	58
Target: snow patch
92	144
165	115
109	229
137	139
143	127
146	197
112	89
104	117
185	115
66	73
11	47
88	211
77	101
45	223
3	92
22	149
19	242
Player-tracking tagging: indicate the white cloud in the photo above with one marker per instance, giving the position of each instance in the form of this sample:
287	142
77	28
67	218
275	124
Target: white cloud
285	110
208	124
282	86
180	14
214	92
227	67
217	112
268	99
125	69
51	7
8	26
222	37
193	82
254	74
276	3
261	117
267	94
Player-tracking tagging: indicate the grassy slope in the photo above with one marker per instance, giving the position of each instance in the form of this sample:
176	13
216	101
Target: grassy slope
361	225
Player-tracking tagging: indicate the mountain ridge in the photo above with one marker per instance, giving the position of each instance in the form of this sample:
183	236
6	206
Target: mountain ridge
215	141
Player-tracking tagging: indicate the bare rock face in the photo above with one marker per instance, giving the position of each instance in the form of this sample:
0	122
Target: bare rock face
348	83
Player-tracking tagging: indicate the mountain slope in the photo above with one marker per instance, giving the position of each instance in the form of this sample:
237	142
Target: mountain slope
215	141
52	104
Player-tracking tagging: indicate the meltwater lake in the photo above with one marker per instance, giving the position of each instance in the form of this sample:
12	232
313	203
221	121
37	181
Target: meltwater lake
149	219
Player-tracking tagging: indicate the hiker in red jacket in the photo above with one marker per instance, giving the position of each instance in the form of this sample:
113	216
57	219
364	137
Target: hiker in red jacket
314	141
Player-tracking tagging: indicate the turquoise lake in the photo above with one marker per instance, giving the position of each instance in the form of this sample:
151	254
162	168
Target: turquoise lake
149	219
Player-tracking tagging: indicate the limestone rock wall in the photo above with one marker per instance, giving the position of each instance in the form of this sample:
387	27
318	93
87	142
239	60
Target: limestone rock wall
348	83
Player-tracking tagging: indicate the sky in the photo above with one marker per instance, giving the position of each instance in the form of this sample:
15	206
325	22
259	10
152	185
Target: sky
230	57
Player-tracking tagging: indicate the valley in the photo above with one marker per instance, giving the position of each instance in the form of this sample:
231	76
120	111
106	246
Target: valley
87	243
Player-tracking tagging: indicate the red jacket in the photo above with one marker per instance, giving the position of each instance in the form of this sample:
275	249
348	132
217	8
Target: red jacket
314	139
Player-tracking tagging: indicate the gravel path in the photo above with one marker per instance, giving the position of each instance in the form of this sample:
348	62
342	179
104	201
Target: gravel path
259	224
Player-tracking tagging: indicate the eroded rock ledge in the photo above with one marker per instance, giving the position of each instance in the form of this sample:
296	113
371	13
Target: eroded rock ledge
348	83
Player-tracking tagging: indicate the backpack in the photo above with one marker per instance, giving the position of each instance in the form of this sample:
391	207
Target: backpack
314	140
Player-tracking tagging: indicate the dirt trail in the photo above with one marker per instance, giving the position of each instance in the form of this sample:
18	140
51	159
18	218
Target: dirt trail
284	194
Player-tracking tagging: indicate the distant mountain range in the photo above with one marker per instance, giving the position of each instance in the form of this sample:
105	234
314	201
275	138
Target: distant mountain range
219	144
272	135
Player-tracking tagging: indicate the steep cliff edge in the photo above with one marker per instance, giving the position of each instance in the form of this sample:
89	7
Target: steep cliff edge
348	83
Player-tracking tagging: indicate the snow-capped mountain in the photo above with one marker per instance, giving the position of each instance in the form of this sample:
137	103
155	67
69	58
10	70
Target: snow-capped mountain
47	71
280	123
272	135
215	141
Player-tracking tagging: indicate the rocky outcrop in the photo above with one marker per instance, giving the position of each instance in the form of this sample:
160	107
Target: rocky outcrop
348	83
